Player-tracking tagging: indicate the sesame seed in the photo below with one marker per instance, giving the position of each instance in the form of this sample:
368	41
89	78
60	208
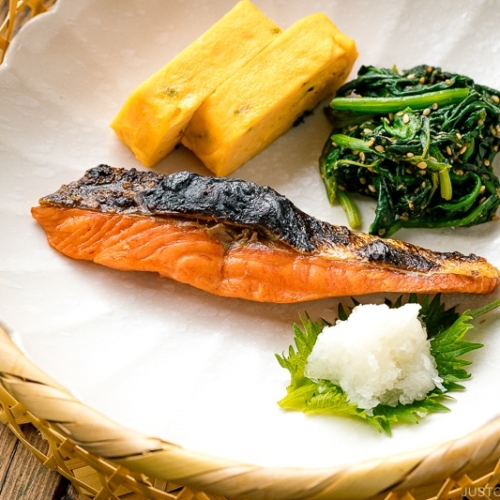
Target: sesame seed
410	154
422	164
496	99
429	69
399	113
411	75
486	162
480	122
482	200
482	189
422	80
459	136
406	118
448	81
362	156
379	148
367	131
371	142
463	150
411	206
342	188
448	150
381	231
435	106
372	188
426	112
362	180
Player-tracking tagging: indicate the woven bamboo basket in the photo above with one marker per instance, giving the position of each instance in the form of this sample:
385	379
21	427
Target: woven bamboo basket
103	460
13	14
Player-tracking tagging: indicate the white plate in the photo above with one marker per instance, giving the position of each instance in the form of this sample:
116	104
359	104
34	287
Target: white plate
161	357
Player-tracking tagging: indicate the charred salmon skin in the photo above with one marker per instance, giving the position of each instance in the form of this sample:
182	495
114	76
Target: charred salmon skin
233	238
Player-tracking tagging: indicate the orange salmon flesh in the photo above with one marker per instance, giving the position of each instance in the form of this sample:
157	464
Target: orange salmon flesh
249	268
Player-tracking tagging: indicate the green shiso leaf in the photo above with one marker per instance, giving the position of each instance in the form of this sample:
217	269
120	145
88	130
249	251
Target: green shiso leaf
446	330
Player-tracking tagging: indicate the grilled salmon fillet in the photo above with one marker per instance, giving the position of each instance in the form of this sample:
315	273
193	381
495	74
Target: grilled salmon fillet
233	238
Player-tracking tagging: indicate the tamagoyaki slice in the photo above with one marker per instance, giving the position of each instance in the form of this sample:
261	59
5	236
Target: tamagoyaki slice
153	117
262	100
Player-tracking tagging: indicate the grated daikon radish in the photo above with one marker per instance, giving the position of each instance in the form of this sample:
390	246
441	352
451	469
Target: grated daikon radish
379	355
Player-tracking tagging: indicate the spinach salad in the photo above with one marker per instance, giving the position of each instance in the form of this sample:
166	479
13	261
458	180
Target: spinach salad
421	142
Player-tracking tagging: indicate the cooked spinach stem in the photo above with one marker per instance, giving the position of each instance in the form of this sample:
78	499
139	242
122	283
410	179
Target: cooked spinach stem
334	194
421	143
328	180
467	200
445	184
469	150
394	104
352	213
353	143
